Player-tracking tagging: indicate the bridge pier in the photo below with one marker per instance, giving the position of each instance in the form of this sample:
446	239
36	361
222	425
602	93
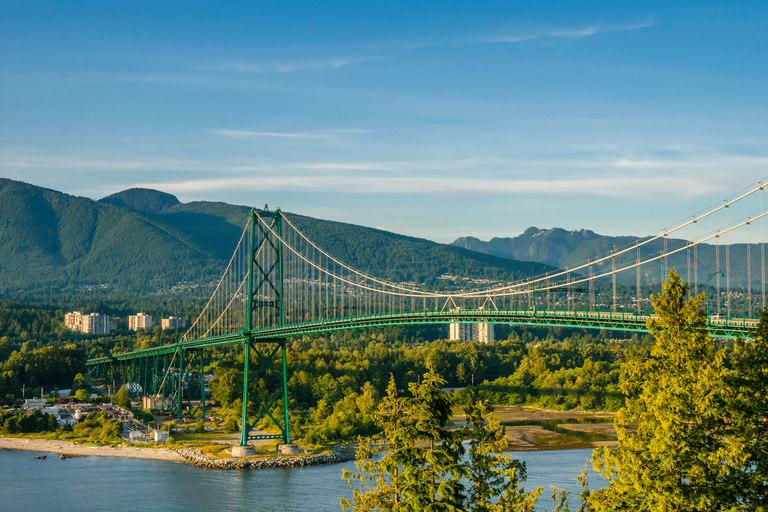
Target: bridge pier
242	451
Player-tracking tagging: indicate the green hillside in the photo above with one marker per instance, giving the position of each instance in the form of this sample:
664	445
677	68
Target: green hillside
146	241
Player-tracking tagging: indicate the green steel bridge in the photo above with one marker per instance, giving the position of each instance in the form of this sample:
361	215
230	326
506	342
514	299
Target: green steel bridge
279	284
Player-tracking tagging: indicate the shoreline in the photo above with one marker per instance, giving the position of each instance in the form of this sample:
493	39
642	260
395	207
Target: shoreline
75	450
180	455
194	457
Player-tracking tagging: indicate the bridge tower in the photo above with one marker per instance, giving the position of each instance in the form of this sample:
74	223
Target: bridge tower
265	309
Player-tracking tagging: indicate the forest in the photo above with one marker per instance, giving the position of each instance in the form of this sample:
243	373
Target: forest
335	381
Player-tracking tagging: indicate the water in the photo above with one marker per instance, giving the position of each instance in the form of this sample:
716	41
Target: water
112	484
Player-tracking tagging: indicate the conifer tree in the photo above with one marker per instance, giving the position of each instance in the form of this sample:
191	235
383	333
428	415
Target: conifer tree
687	437
421	465
122	398
494	479
380	480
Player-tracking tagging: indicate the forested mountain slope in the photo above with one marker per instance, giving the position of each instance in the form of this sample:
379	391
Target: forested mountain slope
146	241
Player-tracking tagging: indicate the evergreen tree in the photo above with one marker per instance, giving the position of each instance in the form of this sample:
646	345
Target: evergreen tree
694	445
493	476
410	476
432	478
380	480
122	398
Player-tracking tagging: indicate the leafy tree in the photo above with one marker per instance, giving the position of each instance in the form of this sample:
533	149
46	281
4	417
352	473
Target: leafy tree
122	398
493	476
83	395
697	440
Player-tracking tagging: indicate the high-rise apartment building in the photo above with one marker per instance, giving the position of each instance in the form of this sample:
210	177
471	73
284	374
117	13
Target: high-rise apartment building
139	321
482	332
173	323
92	323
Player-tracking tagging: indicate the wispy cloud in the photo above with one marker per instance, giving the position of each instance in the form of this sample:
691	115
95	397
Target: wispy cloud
325	135
616	177
564	33
291	65
372	184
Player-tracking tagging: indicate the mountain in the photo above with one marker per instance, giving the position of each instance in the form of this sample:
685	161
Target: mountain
562	249
147	241
142	200
552	246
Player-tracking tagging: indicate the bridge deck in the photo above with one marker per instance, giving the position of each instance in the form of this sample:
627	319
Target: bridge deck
617	321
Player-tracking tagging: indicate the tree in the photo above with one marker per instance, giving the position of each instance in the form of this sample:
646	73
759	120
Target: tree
493	476
122	398
409	476
82	395
432	481
699	424
380	480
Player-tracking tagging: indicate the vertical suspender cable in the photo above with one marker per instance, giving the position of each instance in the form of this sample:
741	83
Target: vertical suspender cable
695	261
613	275
762	251
749	273
717	270
638	293
727	266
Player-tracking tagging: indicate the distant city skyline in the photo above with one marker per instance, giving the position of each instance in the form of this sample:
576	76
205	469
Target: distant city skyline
437	120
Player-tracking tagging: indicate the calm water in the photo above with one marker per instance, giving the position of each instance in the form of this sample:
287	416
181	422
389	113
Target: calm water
100	483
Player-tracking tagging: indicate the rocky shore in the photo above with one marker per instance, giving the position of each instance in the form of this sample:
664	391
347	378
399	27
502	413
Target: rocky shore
183	455
197	458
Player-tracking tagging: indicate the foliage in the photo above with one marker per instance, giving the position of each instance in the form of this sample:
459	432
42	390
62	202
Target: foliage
18	422
415	463
122	398
409	476
48	367
83	395
98	427
494	479
700	435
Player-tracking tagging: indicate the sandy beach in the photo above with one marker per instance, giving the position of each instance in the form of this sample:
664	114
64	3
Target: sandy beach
75	450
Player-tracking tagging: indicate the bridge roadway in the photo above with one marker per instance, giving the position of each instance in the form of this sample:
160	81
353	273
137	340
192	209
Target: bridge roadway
616	321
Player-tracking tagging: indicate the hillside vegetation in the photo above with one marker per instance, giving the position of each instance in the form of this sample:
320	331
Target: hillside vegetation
143	241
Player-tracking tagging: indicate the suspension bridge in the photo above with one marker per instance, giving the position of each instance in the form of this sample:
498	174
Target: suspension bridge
279	284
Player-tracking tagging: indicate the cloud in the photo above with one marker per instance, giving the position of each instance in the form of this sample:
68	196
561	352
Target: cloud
317	135
291	65
404	184
565	33
623	177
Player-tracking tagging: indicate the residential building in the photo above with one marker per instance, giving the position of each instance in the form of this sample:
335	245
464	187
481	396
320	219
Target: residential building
140	321
482	332
173	323
92	323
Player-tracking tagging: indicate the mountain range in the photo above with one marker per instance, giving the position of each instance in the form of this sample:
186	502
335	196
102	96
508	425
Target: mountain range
147	241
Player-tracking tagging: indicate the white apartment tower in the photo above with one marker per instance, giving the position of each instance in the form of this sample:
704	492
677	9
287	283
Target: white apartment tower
92	323
173	323
482	332
139	321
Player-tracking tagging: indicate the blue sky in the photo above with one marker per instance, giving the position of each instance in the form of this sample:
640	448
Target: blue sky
433	119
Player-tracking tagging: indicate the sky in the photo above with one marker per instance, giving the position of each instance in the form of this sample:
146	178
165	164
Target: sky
432	119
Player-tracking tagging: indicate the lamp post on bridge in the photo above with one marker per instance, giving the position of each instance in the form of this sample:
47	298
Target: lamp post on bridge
533	286
706	290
